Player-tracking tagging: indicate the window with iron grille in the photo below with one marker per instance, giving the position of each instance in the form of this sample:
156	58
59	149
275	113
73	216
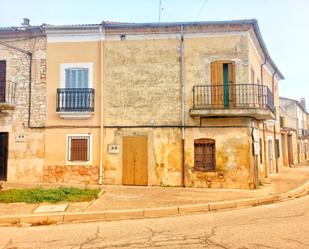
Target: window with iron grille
204	154
79	148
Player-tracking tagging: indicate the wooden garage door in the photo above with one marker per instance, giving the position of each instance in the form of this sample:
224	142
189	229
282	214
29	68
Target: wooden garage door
135	160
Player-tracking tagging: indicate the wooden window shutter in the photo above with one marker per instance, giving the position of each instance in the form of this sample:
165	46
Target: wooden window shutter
204	154
216	77
79	149
232	84
2	80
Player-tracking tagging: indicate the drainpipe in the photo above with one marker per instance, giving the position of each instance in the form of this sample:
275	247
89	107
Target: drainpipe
264	135
275	135
30	88
265	151
182	108
102	105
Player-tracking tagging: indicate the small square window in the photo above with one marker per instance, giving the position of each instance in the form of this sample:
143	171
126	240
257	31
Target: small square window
78	148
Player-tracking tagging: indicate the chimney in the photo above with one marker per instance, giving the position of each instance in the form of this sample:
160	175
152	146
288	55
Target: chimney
303	103
26	22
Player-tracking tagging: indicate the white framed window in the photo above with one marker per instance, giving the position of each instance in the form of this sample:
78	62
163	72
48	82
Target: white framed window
76	75
79	148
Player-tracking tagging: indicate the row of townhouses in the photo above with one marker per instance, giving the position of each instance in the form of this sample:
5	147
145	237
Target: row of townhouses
160	104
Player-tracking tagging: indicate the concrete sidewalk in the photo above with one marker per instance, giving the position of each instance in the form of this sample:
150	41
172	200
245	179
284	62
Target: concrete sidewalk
139	202
124	197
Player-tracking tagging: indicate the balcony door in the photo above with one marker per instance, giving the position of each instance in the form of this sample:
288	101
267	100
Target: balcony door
76	85
223	84
2	80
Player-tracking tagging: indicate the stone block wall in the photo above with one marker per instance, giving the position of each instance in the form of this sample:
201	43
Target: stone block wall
26	144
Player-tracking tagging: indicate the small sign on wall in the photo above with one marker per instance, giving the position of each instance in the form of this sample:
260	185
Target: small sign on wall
113	149
20	138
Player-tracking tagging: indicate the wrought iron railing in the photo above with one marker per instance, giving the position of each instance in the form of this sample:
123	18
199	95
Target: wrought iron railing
7	92
233	97
75	100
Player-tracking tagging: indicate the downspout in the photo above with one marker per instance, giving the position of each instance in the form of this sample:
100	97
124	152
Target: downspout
102	106
264	135
275	135
182	108
265	151
30	88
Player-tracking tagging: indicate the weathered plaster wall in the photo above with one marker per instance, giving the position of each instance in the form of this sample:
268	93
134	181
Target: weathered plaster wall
234	165
200	52
26	145
164	155
144	77
142	82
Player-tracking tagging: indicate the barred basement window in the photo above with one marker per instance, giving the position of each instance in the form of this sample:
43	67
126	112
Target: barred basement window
204	154
78	148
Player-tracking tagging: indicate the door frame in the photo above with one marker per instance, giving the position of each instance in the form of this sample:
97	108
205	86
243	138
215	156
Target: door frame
126	156
4	170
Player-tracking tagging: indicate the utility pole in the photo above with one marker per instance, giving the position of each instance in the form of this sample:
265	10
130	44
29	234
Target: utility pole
159	10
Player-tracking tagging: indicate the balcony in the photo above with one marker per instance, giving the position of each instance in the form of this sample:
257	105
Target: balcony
7	96
303	133
250	100
75	103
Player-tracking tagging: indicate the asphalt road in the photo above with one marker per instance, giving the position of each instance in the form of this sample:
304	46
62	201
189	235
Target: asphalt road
282	225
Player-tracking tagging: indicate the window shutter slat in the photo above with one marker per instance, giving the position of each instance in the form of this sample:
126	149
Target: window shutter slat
79	149
204	154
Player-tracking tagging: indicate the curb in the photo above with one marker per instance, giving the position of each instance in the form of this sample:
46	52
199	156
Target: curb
110	215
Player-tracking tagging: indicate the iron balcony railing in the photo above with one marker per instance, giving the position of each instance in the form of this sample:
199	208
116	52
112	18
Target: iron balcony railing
7	92
233	97
75	100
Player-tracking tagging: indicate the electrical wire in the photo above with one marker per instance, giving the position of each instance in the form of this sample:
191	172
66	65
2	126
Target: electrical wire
201	9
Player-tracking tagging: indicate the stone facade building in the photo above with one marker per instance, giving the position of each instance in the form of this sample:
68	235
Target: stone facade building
22	103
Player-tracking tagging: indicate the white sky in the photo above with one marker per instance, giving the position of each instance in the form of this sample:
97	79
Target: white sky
284	23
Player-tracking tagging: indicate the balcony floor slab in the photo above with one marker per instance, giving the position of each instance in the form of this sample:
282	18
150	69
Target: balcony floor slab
260	114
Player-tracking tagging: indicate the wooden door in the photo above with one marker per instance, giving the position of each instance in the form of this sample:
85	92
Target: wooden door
4	140
290	150
2	80
135	160
223	86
